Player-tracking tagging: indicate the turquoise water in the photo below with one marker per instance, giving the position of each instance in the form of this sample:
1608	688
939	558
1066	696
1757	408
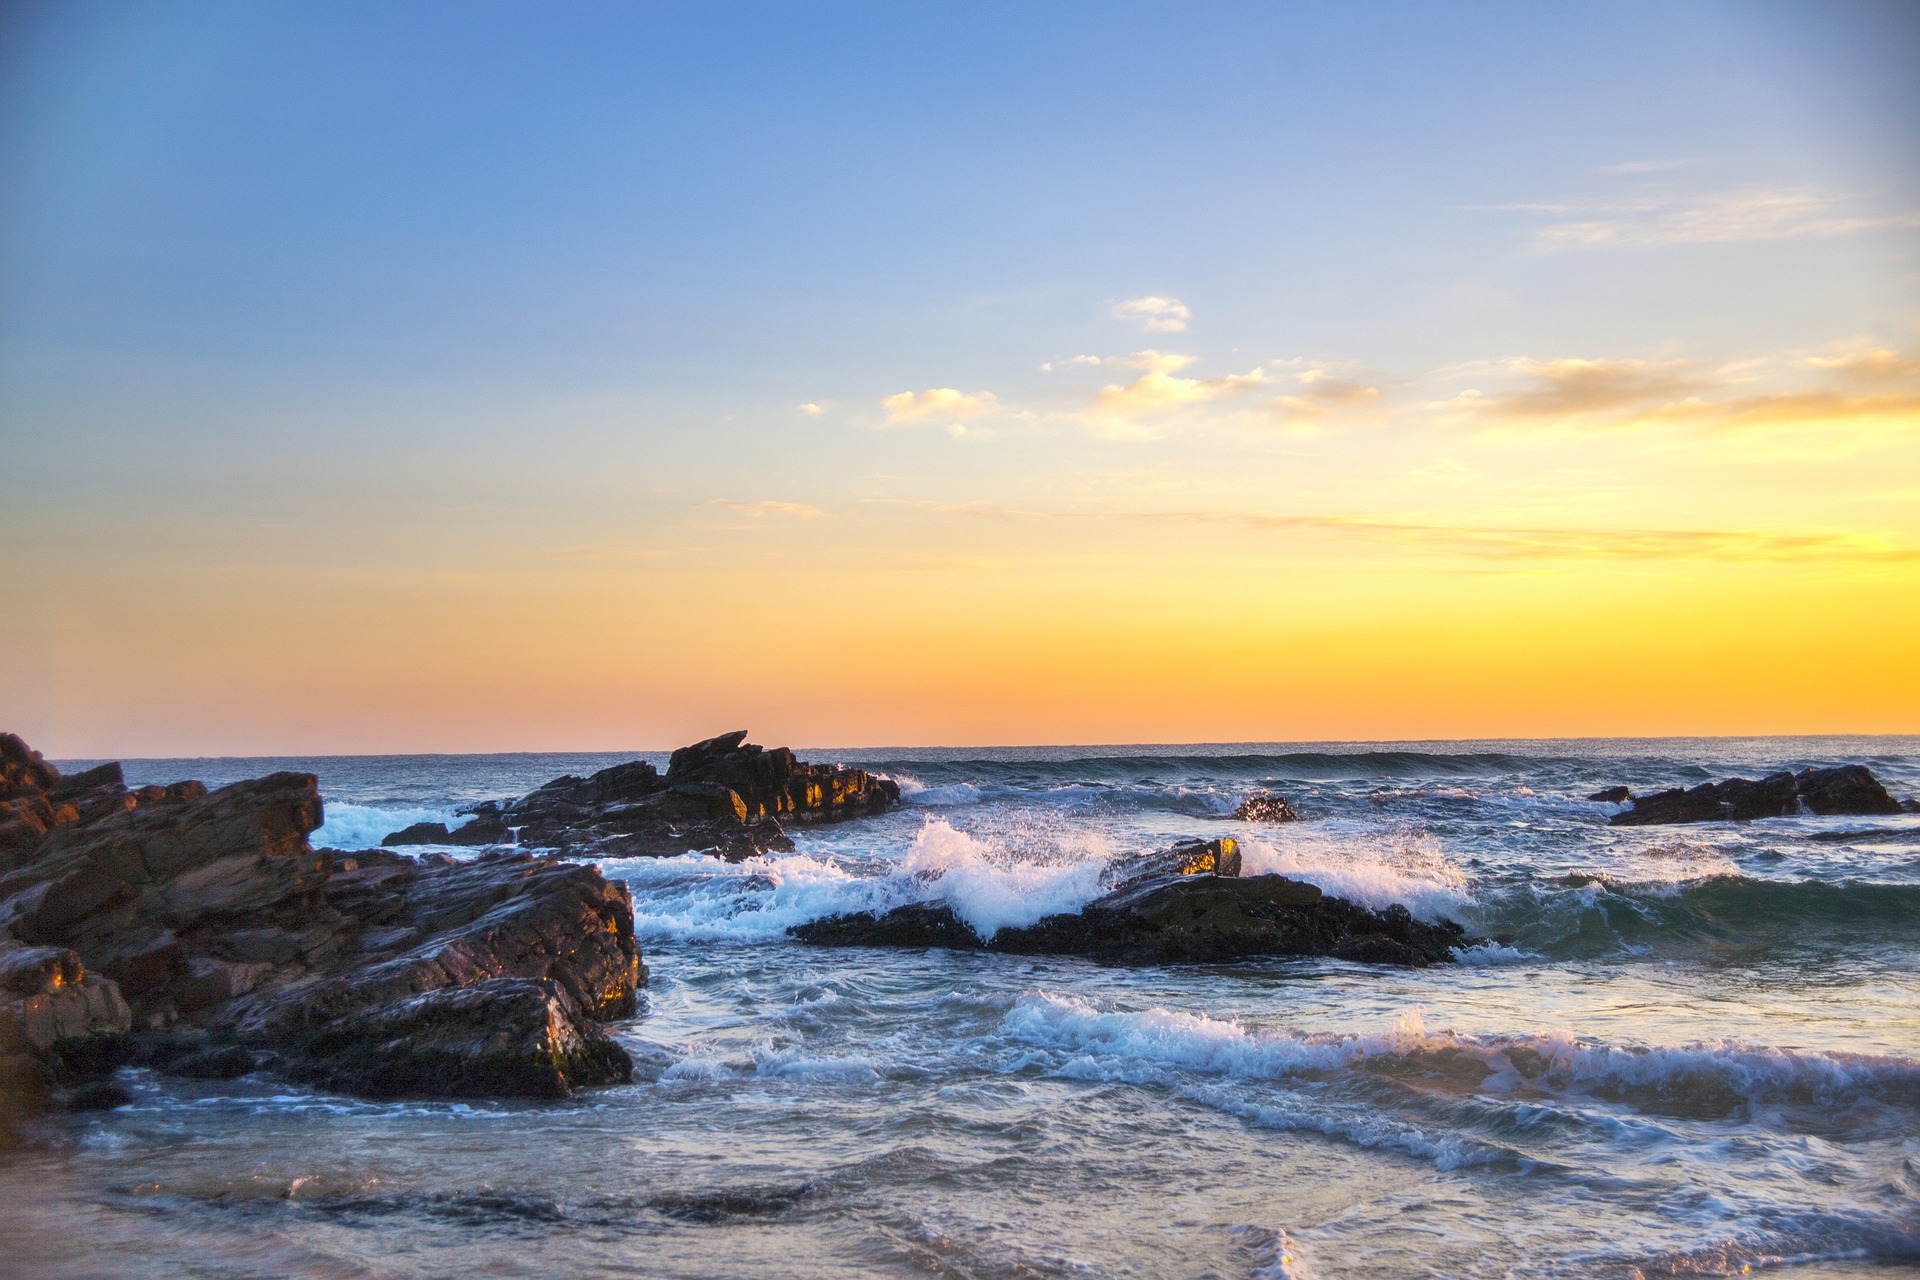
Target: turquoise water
1682	1050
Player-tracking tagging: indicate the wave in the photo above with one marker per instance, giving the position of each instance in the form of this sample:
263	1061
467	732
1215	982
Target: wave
1375	869
1121	1041
360	826
1580	916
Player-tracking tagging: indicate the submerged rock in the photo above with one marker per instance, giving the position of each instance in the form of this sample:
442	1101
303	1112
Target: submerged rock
206	923
1266	808
1176	907
1847	789
724	795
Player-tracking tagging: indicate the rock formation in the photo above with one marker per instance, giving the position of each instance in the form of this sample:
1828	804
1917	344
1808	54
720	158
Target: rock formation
200	931
1848	789
1612	795
724	795
1266	808
1187	904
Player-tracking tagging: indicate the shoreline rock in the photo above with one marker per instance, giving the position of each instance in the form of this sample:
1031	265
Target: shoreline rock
200	932
1265	808
724	795
1847	789
1188	904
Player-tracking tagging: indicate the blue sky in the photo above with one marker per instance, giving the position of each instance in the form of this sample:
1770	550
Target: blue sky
324	290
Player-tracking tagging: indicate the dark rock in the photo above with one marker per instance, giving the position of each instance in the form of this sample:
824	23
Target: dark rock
100	1095
1159	916
418	833
227	1063
500	1037
1612	795
725	796
1265	808
484	830
202	929
1848	789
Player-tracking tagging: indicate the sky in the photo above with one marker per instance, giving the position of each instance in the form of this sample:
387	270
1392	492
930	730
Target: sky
497	377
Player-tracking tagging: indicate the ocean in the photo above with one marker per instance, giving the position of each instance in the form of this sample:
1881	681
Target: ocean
1687	1050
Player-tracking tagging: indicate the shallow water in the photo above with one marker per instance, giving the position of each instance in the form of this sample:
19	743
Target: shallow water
1686	1050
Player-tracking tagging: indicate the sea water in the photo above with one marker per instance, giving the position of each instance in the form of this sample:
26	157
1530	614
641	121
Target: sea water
1689	1050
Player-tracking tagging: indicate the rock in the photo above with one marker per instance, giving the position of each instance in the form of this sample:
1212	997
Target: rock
228	1063
418	833
499	1037
204	927
1847	789
485	830
1612	795
1160	916
724	795
1266	808
98	1095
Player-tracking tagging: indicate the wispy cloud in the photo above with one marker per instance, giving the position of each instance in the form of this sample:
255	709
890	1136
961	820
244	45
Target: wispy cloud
767	508
938	404
1861	384
1525	543
1155	314
1752	214
811	410
1570	388
1321	391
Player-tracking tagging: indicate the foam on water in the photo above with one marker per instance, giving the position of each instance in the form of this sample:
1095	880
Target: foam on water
1374	870
1119	1040
359	826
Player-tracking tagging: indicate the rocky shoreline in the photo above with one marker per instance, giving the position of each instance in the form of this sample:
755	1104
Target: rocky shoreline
725	796
199	932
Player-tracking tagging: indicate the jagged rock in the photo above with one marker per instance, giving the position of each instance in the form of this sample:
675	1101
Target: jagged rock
1266	808
724	795
485	830
1612	795
1847	789
1159	916
206	922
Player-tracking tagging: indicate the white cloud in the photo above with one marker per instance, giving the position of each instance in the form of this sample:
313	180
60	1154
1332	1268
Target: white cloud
1161	388
938	402
1155	314
810	409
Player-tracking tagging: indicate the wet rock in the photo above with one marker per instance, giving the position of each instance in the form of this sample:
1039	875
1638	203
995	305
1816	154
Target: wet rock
484	830
725	796
1612	795
1266	808
418	833
173	914
228	1063
1160	916
500	1037
98	1095
1847	789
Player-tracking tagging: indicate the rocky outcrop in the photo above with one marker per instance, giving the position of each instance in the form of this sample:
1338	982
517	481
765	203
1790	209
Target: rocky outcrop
204	926
486	829
1189	904
1266	808
1612	795
1847	789
725	795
